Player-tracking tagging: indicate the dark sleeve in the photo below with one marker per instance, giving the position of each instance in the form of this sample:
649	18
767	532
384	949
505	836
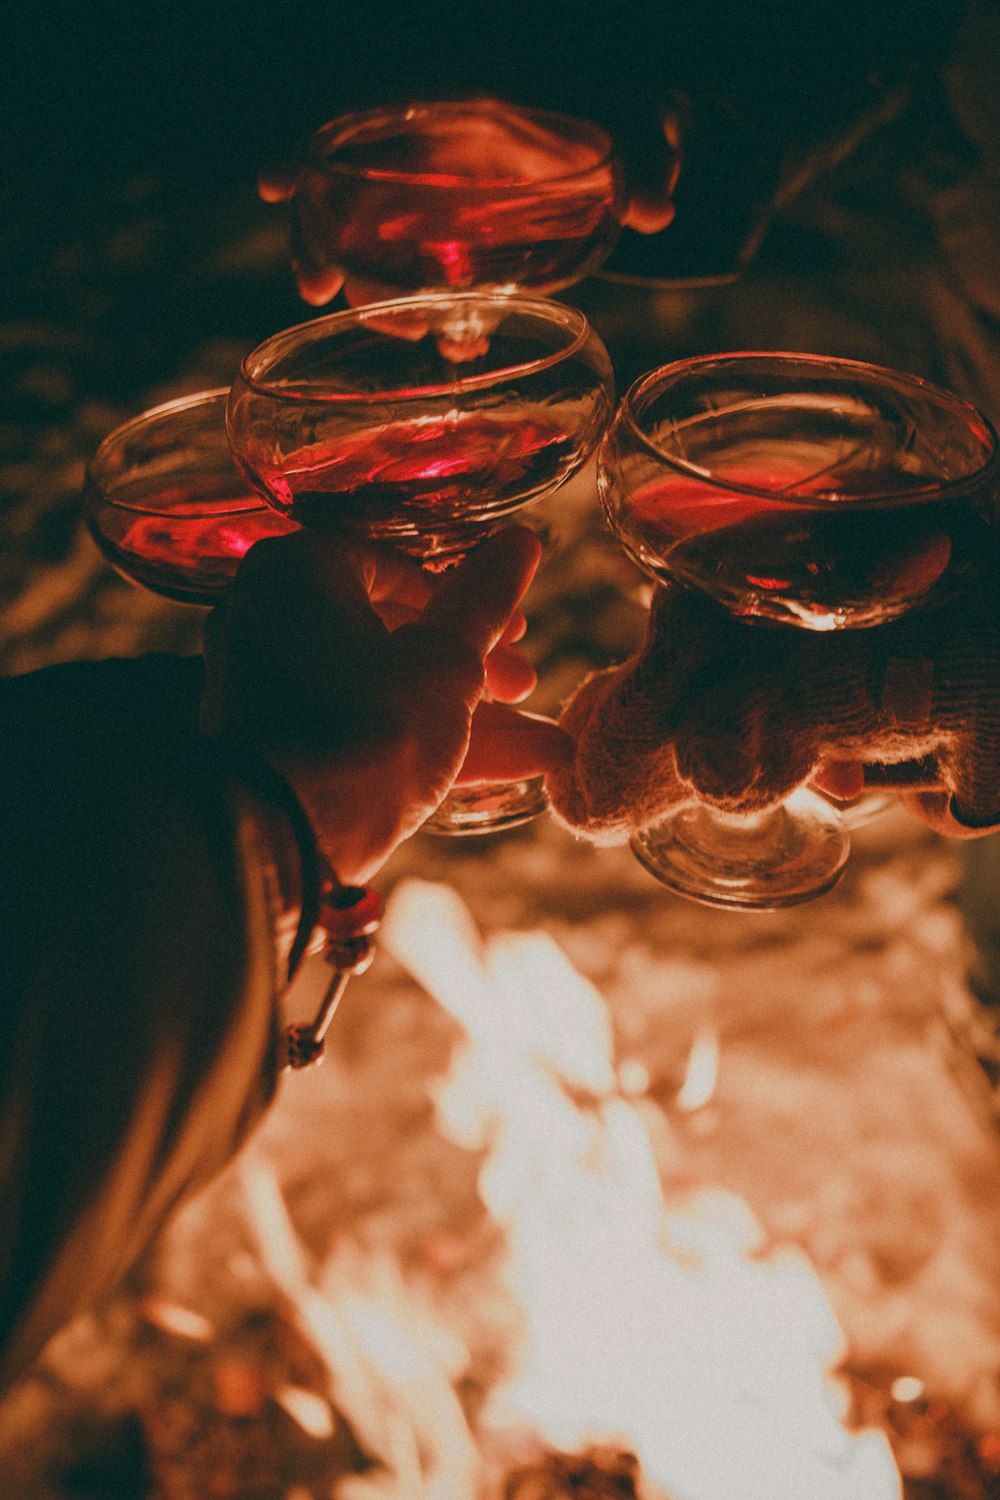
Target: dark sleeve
770	91
138	978
770	96
120	91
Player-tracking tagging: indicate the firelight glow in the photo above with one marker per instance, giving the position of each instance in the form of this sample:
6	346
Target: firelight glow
675	1333
671	1330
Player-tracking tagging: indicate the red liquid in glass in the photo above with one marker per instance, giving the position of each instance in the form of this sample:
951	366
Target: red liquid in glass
837	562
430	485
479	200
187	557
478	239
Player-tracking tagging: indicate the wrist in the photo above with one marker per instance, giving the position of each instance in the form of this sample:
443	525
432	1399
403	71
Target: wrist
286	854
279	861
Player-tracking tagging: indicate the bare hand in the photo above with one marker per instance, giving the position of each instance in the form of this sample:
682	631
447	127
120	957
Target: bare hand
371	722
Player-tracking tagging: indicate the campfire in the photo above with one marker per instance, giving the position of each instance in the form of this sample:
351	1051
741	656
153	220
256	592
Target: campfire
596	1195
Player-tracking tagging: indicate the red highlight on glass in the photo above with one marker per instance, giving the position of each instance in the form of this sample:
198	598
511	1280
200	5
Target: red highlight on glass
167	505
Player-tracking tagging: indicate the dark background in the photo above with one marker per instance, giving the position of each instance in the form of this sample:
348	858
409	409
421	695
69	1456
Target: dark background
95	90
137	262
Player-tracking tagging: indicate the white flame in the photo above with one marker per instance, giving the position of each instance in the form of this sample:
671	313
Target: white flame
702	1072
671	1332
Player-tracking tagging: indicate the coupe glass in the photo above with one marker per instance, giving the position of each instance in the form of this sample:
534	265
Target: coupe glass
800	492
360	424
167	506
458	196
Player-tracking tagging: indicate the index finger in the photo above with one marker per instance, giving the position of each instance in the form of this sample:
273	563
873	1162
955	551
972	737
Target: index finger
277	175
475	601
275	184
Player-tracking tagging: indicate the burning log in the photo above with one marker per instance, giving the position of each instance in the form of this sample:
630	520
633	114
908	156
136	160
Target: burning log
601	1474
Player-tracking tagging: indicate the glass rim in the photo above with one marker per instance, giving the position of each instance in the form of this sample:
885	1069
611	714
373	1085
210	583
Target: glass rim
316	329
218	393
176	405
651	383
355	120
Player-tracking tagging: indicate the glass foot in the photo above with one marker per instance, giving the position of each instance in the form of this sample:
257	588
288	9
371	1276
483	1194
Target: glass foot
488	807
756	861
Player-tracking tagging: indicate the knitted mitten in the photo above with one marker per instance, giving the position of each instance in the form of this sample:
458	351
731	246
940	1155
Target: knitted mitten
738	714
622	720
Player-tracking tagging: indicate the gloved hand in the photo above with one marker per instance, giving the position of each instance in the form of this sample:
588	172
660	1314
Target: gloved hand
738	715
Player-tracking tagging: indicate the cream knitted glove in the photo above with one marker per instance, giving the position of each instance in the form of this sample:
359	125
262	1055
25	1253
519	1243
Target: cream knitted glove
738	714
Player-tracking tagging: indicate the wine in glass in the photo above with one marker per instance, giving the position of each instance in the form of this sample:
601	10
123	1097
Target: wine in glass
361	424
800	492
168	507
460	195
